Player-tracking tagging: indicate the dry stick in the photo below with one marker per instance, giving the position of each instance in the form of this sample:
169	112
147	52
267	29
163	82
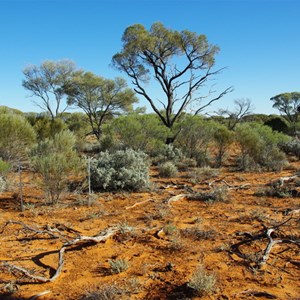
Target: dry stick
103	236
268	248
39	295
177	198
138	203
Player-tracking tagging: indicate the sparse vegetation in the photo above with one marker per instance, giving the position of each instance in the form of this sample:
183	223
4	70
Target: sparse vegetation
202	282
118	265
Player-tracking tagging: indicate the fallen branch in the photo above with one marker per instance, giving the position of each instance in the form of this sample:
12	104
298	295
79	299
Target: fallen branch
138	203
101	237
177	198
267	233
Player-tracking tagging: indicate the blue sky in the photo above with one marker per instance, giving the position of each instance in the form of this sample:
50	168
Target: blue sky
259	41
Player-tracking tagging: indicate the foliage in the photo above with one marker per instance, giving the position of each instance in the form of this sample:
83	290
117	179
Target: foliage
16	137
167	169
223	138
291	147
168	153
260	147
277	123
179	64
217	194
99	98
139	132
195	137
122	170
46	127
46	83
56	160
105	292
201	282
288	104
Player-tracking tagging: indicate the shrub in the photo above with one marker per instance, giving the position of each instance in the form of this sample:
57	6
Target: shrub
56	160
118	265
223	137
218	194
167	169
168	153
260	147
195	137
201	282
16	136
291	147
106	292
123	170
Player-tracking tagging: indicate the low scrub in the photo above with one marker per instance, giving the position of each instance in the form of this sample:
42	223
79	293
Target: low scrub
123	170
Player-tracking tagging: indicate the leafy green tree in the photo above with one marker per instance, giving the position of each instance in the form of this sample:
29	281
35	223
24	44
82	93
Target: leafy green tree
56	160
46	83
289	105
99	98
180	64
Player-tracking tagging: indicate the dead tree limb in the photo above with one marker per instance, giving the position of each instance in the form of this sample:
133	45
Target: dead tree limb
138	203
71	241
267	233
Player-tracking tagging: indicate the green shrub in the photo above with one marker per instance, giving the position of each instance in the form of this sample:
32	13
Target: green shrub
260	147
123	170
168	153
56	160
291	147
167	170
16	136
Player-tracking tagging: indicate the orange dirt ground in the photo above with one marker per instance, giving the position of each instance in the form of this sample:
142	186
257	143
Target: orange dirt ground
160	263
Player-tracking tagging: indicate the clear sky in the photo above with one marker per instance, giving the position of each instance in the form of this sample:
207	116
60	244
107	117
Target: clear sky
259	40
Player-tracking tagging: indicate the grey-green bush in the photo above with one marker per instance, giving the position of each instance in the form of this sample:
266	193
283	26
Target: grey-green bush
123	170
167	170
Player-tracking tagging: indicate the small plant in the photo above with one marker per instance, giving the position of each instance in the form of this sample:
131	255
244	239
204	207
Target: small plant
205	173
201	282
197	233
170	229
106	292
118	265
167	170
218	194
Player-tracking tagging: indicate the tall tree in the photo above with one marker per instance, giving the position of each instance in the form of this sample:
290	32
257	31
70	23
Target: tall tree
180	63
99	98
289	105
46	82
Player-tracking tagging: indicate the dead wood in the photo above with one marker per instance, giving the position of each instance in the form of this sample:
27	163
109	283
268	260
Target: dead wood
230	186
272	241
69	242
178	197
138	203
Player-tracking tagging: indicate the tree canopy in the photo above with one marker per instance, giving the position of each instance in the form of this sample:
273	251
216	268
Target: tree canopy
98	97
46	83
179	63
288	104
